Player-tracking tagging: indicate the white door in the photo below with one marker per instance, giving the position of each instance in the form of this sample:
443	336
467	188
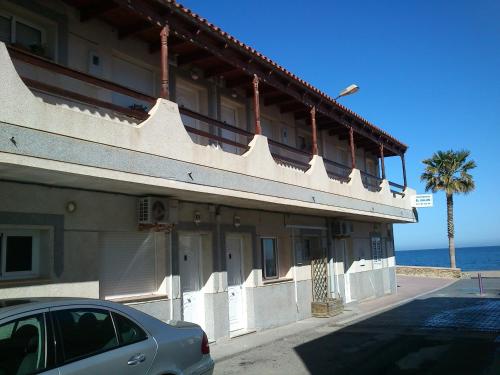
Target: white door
229	116
190	270
347	266
189	98
234	281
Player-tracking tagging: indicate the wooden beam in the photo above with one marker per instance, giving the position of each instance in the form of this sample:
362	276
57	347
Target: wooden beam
232	54
314	132
95	10
300	115
164	89
382	163
220	70
291	107
236	82
351	146
405	184
256	104
284	98
133	29
193	57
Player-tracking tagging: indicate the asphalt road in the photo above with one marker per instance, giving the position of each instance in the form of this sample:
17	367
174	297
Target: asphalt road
452	331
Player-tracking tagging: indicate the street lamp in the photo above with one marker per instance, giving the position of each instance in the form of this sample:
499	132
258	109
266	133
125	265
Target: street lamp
348	91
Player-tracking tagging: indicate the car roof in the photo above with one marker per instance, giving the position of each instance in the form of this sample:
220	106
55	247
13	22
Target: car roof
15	306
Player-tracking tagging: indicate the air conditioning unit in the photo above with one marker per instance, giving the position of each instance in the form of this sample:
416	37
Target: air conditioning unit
342	228
154	210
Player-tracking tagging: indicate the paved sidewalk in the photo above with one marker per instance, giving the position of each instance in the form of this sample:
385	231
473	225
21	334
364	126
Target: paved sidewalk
409	287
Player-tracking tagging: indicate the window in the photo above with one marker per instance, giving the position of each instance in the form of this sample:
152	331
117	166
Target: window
19	253
376	249
23	34
84	332
304	143
22	345
128	331
5	29
270	258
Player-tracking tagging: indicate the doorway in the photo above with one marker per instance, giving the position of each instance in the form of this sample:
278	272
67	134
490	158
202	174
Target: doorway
234	262
190	274
348	260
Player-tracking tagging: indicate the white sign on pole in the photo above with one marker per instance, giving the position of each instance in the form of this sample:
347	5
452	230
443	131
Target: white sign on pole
422	200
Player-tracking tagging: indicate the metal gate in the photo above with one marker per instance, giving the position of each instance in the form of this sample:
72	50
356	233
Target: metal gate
319	272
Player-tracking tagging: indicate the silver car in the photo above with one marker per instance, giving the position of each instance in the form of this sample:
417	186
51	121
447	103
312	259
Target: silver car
85	336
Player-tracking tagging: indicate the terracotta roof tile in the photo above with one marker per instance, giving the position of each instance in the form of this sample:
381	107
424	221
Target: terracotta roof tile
229	37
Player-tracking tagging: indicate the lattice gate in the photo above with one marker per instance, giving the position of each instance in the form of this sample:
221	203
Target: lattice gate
319	272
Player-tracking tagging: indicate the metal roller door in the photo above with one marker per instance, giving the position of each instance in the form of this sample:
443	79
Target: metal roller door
127	264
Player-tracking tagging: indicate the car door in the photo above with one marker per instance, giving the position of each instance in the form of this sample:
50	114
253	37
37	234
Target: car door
95	340
25	344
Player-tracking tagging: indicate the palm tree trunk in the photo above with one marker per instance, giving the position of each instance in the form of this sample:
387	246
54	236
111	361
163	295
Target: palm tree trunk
451	230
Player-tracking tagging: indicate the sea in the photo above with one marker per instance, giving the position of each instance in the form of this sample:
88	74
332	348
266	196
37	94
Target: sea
485	258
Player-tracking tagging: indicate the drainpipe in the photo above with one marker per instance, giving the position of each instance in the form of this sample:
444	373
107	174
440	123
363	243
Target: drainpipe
295	276
171	278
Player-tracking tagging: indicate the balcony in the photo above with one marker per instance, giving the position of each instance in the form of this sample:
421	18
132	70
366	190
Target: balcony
160	127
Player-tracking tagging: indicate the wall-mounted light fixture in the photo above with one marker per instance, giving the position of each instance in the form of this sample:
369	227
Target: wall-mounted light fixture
236	221
194	76
197	217
71	207
234	94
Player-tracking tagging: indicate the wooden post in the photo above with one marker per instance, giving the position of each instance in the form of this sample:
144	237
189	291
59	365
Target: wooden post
164	90
382	163
256	104
351	145
314	131
405	184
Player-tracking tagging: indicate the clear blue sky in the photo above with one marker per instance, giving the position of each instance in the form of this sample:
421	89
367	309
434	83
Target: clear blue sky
429	73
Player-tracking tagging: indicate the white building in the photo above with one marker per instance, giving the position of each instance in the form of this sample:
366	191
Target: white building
249	180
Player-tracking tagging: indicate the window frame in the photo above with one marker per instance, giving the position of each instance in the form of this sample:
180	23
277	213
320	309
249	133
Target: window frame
47	340
13	32
57	335
35	253
276	252
377	254
123	316
59	341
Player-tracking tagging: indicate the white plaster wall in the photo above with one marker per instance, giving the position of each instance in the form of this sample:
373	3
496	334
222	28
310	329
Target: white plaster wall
88	289
163	134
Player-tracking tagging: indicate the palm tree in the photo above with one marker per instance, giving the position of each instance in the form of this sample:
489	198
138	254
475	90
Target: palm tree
449	171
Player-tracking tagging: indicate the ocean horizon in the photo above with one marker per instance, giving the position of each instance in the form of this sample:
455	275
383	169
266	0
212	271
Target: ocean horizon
474	258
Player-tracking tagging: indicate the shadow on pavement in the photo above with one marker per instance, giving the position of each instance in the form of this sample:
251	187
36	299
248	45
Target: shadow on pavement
438	335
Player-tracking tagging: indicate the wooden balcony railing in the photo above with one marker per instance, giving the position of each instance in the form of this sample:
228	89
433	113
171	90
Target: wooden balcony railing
26	57
204	129
226	136
371	182
400	189
337	171
289	156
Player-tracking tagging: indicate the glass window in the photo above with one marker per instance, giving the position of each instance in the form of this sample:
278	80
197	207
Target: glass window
270	257
5	29
84	332
22	345
28	36
376	249
128	331
19	254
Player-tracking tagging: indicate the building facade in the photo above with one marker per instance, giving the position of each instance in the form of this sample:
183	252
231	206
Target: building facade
149	158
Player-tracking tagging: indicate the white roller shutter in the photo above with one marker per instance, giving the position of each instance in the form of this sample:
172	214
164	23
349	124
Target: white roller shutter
128	264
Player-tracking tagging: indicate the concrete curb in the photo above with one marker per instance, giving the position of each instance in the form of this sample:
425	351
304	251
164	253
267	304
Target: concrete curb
326	321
